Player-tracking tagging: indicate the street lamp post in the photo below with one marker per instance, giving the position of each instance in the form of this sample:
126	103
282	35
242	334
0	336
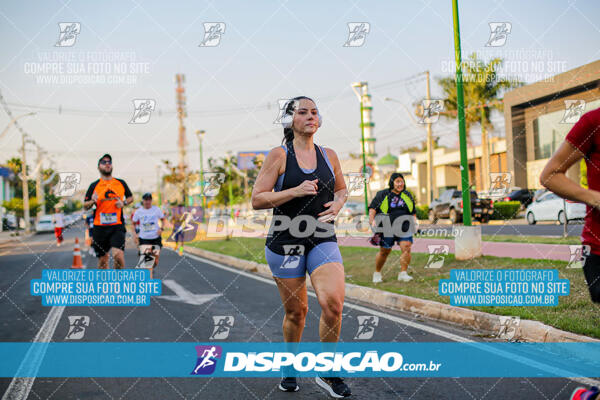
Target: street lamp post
359	94
200	134
462	135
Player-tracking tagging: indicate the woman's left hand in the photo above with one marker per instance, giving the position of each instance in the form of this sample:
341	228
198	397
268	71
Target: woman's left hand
331	212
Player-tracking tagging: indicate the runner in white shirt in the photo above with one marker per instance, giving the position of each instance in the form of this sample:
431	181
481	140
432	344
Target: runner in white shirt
59	224
150	220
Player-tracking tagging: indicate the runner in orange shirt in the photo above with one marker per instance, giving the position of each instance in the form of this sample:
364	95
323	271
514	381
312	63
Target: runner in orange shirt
109	195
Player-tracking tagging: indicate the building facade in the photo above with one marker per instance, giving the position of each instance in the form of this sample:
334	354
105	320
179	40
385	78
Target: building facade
539	116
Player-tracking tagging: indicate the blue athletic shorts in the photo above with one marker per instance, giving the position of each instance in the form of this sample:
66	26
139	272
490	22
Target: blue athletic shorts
296	263
388	242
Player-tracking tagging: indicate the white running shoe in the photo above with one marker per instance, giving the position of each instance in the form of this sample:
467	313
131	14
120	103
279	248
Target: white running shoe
377	277
404	277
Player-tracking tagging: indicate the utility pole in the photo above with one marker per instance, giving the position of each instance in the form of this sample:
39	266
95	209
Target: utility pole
200	134
230	188
430	183
181	142
39	186
158	188
25	184
462	135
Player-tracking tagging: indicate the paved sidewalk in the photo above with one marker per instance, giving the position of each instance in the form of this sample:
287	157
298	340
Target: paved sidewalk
498	249
5	236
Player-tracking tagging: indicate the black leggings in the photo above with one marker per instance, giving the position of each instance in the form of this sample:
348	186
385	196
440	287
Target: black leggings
591	270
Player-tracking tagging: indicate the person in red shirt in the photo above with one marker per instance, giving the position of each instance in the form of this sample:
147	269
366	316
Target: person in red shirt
109	195
583	141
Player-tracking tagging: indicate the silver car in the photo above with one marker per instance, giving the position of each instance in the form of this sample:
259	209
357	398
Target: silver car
551	207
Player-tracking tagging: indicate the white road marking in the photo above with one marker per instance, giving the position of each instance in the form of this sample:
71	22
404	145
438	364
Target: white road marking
185	296
19	388
416	325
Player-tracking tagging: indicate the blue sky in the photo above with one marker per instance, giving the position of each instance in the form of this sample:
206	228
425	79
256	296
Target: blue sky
270	50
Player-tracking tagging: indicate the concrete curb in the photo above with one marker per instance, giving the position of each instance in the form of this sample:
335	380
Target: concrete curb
526	330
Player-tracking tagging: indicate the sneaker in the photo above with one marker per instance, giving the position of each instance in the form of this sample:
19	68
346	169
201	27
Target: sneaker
585	394
377	277
180	250
404	276
289	385
334	386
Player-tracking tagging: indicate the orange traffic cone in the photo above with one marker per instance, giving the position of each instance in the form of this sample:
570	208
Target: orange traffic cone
77	256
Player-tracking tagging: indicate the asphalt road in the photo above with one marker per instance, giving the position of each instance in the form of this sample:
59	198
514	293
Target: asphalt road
256	306
516	229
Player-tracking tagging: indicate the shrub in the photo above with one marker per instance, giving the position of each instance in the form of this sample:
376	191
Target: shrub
506	209
422	212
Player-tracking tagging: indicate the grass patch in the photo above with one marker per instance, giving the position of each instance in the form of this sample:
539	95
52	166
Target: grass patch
575	312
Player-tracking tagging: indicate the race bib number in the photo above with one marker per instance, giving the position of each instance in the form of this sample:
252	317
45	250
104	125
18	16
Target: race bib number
108	218
148	227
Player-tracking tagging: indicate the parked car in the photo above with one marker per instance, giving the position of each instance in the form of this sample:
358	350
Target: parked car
9	222
523	196
538	193
44	224
450	205
551	207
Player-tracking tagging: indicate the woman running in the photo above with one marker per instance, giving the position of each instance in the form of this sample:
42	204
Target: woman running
309	191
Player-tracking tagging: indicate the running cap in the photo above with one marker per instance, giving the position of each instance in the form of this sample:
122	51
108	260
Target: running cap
104	156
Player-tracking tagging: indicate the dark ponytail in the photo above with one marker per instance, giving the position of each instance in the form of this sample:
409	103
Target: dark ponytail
288	133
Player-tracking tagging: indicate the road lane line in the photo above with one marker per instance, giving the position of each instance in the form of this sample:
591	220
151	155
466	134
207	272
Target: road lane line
19	388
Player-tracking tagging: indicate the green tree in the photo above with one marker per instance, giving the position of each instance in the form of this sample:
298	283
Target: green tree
219	165
483	89
16	205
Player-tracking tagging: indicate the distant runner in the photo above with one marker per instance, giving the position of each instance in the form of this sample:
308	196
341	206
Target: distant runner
59	224
148	222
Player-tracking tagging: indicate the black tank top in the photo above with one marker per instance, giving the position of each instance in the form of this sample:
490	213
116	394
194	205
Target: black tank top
310	205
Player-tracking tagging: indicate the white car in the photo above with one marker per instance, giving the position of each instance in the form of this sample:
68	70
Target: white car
44	224
551	207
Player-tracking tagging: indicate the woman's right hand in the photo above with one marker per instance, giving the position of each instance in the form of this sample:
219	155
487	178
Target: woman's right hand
306	188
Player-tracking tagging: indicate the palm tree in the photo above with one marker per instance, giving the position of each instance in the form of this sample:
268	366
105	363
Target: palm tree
483	89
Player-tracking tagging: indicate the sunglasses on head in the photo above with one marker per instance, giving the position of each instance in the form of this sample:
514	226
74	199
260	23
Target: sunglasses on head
105	162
